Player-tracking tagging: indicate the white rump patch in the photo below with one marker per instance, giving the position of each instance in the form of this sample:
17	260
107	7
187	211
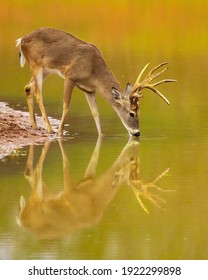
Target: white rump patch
22	57
18	42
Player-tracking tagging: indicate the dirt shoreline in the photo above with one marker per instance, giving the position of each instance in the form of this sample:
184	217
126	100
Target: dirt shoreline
16	131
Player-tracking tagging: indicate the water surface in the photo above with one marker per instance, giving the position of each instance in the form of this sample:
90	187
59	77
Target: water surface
110	200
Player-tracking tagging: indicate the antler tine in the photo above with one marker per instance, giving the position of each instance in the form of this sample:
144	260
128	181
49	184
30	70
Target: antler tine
161	175
151	76
158	93
164	81
134	88
157	67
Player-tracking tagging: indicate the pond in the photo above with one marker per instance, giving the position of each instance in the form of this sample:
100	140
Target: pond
82	197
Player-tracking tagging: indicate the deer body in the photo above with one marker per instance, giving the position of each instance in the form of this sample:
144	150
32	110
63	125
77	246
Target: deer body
80	64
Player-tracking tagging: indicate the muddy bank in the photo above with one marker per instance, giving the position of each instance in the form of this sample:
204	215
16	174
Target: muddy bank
16	132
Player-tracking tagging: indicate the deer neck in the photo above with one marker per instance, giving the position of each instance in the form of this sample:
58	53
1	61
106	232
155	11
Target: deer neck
104	87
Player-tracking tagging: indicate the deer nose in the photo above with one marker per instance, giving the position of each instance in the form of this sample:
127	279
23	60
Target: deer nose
137	134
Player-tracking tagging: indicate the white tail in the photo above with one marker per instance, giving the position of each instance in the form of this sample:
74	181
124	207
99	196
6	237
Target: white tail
21	55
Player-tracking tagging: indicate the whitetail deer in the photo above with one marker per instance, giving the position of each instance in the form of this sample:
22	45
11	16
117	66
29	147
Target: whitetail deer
51	214
80	64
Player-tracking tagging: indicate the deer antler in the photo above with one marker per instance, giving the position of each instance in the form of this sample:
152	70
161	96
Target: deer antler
139	86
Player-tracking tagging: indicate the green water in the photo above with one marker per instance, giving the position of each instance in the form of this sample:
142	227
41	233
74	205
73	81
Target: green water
147	199
108	220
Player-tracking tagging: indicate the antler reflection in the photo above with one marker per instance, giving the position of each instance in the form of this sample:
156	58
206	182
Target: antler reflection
147	191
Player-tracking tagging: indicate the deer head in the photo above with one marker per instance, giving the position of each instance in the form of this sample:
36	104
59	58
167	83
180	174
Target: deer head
130	100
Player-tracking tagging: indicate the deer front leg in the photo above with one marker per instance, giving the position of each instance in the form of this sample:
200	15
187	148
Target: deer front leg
94	110
92	165
68	87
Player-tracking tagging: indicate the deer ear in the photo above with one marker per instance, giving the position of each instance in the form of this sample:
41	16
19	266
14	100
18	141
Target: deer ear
128	88
116	94
118	97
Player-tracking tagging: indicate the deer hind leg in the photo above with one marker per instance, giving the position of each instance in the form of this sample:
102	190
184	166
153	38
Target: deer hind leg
30	91
68	87
94	109
29	169
38	75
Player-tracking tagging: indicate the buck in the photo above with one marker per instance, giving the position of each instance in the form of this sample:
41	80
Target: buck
80	64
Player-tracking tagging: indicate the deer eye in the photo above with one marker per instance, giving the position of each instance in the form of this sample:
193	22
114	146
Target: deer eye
132	114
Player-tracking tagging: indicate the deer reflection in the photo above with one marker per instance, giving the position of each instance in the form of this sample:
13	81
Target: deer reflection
79	205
